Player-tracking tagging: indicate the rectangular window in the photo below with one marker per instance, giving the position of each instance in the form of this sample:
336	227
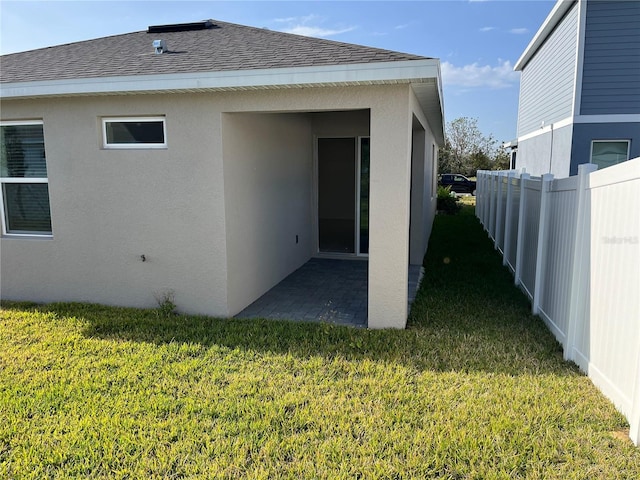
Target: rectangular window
143	132
605	153
23	178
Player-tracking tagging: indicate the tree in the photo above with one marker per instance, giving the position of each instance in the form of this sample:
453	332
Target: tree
466	149
480	161
502	160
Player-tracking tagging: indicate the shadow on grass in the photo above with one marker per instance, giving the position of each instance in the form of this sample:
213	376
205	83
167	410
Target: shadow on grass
467	317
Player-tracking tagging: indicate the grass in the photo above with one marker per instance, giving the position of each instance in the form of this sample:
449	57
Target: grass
474	388
468	200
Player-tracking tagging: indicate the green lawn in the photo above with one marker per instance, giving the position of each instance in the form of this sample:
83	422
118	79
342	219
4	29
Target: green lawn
474	388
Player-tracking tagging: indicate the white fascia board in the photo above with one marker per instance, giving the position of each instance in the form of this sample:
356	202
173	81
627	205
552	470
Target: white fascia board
409	71
552	20
546	129
427	94
618	118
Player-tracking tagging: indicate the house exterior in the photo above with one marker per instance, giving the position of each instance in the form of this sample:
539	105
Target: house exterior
580	88
186	158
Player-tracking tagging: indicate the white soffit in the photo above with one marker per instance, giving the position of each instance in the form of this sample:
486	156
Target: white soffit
410	71
429	96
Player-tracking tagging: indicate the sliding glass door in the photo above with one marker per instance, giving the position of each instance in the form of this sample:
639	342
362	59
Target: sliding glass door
363	196
343	195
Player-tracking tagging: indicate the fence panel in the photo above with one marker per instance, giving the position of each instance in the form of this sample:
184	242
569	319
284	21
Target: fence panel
611	343
583	273
531	221
501	207
558	259
511	241
493	193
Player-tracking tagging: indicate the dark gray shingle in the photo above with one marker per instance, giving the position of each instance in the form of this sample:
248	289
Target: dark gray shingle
226	47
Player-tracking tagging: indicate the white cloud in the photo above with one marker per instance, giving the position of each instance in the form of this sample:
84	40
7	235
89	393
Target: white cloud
309	26
487	29
308	31
519	31
475	75
303	19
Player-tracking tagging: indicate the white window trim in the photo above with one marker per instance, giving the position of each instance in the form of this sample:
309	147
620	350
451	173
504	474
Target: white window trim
4	180
137	146
610	140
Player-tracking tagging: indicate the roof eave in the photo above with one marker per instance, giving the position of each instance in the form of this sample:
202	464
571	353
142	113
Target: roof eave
409	71
423	75
552	20
431	100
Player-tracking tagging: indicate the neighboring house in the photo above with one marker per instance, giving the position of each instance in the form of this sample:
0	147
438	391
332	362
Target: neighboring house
580	88
186	158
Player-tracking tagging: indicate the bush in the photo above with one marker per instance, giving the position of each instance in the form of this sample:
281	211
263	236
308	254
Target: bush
447	201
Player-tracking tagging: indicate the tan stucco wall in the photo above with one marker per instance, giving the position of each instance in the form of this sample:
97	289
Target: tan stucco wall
391	158
268	175
111	206
423	184
391	125
548	152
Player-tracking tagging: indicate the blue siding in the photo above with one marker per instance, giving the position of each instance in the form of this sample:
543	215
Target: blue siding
547	81
584	133
611	73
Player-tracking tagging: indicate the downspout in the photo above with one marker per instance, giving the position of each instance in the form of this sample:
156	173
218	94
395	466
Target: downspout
551	149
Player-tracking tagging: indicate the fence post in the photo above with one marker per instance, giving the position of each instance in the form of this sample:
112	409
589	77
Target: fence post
506	248
492	207
541	253
634	418
519	248
479	195
486	200
580	266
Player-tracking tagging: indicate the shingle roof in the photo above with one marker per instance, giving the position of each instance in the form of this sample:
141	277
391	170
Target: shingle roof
225	47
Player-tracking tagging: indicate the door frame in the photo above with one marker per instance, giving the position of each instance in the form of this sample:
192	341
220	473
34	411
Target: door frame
357	192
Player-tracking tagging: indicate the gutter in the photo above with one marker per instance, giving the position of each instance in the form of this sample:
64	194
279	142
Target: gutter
411	71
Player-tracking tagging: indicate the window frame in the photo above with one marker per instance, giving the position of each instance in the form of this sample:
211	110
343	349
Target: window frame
610	140
137	146
23	180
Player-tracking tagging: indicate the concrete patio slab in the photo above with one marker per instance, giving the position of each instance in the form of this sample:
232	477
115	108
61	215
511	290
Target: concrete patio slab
323	290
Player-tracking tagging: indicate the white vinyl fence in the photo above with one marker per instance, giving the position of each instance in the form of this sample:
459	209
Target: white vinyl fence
573	245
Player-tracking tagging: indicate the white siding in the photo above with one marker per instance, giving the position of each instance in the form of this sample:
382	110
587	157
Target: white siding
547	81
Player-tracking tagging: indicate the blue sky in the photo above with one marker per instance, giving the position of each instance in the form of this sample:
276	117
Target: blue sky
477	41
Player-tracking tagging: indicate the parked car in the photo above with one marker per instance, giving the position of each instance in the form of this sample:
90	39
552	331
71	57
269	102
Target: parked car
458	183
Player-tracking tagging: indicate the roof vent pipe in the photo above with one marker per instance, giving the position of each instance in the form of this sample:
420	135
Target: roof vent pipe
160	46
